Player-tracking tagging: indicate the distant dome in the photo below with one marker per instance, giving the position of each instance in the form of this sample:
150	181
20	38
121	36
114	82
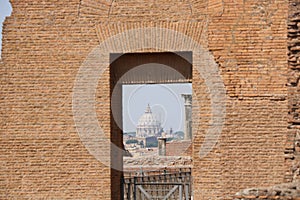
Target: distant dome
148	118
148	124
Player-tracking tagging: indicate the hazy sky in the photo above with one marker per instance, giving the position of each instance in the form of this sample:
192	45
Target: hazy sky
165	101
5	10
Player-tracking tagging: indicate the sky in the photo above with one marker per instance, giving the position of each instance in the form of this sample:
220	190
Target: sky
164	99
5	10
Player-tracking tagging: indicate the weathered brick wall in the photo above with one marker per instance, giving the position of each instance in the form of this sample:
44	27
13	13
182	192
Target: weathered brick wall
44	45
248	41
292	149
42	155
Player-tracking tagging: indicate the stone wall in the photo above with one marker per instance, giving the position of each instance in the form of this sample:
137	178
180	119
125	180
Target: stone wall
46	43
283	191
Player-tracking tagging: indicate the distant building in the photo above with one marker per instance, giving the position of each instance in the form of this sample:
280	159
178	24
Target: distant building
148	124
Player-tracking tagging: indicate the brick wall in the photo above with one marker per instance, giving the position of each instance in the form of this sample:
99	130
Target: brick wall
46	42
42	155
292	148
179	148
251	54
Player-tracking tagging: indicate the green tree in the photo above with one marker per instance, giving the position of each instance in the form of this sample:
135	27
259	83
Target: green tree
131	142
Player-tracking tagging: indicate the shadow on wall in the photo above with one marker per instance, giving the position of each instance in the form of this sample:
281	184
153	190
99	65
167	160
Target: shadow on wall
5	10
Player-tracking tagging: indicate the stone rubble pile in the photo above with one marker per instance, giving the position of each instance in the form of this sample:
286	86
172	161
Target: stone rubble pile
283	192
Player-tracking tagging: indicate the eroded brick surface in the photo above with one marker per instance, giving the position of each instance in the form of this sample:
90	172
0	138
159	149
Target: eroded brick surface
292	149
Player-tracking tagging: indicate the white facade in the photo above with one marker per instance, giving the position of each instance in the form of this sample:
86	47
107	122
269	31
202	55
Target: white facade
148	124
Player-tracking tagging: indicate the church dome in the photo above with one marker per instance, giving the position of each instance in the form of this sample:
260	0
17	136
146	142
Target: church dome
148	118
148	124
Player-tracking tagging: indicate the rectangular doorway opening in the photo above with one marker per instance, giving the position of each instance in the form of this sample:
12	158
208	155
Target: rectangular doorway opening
151	102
